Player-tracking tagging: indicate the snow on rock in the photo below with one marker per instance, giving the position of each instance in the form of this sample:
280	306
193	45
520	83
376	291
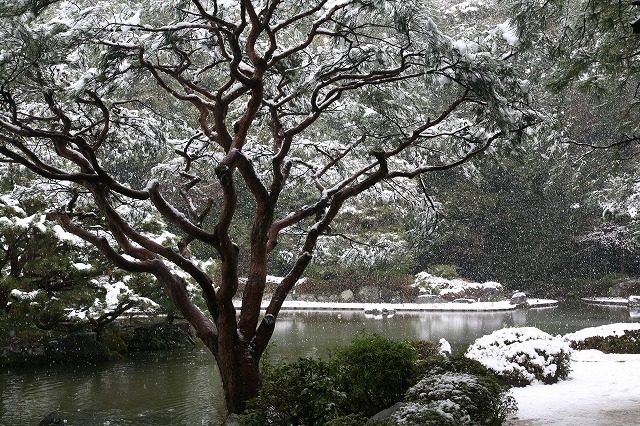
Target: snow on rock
523	355
445	346
451	289
518	298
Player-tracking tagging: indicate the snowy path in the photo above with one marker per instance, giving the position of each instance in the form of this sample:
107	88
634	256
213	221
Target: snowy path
601	390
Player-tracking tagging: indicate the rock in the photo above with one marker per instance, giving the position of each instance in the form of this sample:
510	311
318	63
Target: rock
385	414
464	300
458	288
368	294
346	296
82	347
518	298
52	419
491	293
430	298
159	336
306	298
634	302
23	353
380	311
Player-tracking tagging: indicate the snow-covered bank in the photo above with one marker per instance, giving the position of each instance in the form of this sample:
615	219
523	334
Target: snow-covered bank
504	305
602	389
613	301
616	330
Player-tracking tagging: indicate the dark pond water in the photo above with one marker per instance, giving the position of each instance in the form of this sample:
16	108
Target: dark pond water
183	387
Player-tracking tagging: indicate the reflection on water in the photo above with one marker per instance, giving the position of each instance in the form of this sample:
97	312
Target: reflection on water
183	387
178	388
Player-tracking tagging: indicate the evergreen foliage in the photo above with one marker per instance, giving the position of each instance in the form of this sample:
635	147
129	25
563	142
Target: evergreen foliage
374	371
304	392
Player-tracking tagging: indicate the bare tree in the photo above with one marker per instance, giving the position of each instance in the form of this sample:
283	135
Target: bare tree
282	100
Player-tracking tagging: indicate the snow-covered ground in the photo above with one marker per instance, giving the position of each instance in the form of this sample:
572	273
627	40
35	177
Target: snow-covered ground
616	301
603	389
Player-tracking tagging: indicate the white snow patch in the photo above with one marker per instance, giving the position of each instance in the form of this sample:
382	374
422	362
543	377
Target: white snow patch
602	389
24	295
82	266
509	34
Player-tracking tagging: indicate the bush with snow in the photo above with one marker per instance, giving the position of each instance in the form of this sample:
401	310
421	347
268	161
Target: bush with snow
455	398
520	356
621	338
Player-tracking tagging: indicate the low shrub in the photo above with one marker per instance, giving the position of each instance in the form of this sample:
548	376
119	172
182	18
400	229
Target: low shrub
628	343
300	393
433	413
356	419
621	338
114	343
520	356
444	271
375	372
359	420
425	348
456	363
455	399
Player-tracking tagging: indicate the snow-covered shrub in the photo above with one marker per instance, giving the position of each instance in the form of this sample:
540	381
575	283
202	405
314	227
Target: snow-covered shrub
359	420
433	413
621	338
455	399
520	356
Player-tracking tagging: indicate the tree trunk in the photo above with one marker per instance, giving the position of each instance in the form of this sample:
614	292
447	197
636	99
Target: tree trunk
240	375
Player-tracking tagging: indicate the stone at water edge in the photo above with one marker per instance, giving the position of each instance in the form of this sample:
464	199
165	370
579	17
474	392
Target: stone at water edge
386	413
346	296
518	298
52	418
430	298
